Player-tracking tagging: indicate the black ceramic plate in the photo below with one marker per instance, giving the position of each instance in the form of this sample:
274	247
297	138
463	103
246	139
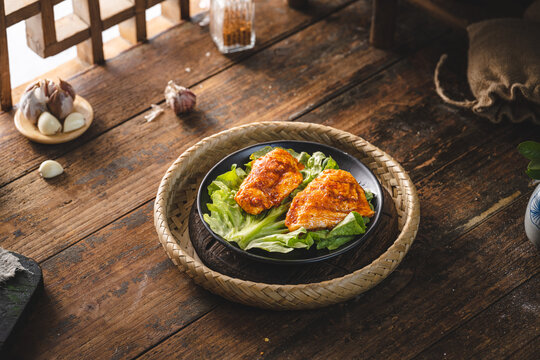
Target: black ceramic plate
363	175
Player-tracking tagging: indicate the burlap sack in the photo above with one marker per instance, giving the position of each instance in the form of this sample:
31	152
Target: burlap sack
503	70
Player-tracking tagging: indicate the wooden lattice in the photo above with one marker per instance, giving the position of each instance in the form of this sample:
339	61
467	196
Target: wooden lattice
82	28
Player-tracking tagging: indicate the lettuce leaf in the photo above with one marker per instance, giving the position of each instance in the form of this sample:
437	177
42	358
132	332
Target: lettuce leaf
282	243
314	165
267	230
228	220
348	229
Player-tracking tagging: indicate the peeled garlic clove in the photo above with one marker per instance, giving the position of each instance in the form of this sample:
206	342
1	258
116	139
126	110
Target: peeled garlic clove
73	121
179	98
50	168
48	124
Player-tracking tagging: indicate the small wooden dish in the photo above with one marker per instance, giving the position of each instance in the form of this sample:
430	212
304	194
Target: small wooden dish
25	127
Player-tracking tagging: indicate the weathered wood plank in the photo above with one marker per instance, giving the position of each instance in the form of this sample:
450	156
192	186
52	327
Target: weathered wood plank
115	90
399	110
20	10
91	50
497	332
114	12
459	14
437	287
383	23
111	296
491	176
175	10
5	81
388	111
120	170
298	4
134	29
437	266
41	29
527	352
399	318
432	268
436	150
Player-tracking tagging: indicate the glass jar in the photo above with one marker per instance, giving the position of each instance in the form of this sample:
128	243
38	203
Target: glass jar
231	24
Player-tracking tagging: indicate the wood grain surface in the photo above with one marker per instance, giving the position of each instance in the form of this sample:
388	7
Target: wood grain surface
508	325
528	351
467	288
5	82
433	290
137	149
140	78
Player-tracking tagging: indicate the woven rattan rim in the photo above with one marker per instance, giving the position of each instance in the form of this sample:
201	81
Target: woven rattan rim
177	192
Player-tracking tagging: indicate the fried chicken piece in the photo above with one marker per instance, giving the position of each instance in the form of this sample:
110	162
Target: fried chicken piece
272	178
326	201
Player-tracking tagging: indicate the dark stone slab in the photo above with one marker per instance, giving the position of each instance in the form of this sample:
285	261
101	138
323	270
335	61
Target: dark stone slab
16	296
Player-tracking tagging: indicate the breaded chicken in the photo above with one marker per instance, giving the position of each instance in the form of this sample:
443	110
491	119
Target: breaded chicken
326	201
272	178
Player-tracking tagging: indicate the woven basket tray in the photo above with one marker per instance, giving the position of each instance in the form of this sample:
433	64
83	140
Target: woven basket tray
178	190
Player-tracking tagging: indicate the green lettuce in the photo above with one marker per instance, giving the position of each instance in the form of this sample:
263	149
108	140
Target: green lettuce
267	230
313	166
228	220
353	225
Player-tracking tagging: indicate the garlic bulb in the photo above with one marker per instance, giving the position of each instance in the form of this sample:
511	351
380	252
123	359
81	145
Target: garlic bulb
60	102
48	124
73	122
45	95
50	168
45	86
179	98
34	99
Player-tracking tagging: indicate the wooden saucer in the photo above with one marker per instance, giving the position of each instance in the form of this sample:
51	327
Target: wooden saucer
25	127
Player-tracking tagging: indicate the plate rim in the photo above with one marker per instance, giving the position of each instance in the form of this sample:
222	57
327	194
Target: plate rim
374	221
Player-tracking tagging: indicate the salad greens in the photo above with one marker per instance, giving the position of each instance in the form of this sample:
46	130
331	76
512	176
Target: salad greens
267	230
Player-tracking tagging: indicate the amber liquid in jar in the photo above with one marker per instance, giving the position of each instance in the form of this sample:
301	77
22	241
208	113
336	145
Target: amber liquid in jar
231	24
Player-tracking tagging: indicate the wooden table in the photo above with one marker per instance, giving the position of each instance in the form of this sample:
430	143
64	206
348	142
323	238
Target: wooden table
467	288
